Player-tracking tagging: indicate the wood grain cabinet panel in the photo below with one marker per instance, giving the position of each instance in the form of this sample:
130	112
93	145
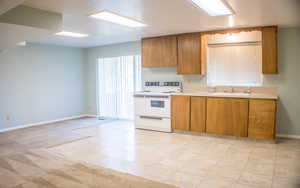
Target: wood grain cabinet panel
181	113
227	116
269	50
204	38
189	53
198	114
159	51
262	119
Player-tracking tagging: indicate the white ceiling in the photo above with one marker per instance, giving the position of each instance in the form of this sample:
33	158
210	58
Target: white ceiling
162	17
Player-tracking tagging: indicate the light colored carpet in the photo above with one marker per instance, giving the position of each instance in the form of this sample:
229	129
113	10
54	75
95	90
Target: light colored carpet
41	169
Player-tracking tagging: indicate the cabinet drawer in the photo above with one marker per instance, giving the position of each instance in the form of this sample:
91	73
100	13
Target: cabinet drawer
153	123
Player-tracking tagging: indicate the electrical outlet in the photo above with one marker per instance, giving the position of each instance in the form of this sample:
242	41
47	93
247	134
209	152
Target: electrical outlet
7	117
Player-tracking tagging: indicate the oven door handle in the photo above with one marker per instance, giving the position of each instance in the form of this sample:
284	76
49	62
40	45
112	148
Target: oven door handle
138	95
151	117
154	96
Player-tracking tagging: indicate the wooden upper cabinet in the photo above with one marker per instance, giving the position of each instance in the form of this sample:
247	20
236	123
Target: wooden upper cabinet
269	50
227	116
198	114
181	112
203	53
189	53
159	51
262	119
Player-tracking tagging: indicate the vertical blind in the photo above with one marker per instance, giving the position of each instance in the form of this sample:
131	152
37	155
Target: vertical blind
234	64
118	78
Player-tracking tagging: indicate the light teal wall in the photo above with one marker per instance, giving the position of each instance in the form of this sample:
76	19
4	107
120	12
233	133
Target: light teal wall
287	81
40	83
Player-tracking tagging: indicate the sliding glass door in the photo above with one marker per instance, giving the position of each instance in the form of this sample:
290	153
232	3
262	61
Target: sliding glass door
118	78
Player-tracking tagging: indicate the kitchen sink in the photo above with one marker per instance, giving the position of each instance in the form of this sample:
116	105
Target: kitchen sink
231	94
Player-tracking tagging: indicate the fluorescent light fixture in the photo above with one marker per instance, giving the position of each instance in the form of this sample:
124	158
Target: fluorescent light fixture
71	34
117	19
214	7
21	43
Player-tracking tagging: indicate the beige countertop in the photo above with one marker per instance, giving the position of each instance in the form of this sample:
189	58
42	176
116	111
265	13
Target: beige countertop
229	95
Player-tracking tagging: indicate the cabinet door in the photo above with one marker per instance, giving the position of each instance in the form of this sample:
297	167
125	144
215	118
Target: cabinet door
262	119
203	53
227	116
269	50
150	54
159	51
198	114
189	53
181	113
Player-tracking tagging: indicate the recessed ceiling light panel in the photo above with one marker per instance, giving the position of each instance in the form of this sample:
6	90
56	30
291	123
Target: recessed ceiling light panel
214	7
71	34
117	19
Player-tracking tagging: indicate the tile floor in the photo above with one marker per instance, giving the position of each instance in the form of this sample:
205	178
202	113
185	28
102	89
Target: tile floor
188	161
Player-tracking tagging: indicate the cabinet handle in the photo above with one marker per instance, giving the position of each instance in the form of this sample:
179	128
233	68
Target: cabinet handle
151	117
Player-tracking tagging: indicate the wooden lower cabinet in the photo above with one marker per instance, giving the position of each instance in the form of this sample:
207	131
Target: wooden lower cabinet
227	116
262	119
198	114
181	112
255	118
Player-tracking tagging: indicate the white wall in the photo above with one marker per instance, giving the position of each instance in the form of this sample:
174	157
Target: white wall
287	81
40	83
123	49
43	82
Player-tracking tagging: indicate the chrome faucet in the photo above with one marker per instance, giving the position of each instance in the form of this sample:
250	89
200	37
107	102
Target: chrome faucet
229	91
181	87
213	89
248	90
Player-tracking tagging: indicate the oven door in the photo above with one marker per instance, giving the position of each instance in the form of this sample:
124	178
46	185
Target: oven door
158	106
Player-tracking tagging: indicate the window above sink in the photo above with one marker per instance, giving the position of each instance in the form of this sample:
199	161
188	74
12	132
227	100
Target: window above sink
235	59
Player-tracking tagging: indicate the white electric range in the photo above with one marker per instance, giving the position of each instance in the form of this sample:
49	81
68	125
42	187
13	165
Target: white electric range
153	105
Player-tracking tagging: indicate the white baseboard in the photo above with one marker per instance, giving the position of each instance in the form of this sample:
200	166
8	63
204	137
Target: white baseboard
288	136
93	115
43	123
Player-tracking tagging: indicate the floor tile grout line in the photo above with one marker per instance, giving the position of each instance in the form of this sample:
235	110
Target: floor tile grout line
244	169
274	170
